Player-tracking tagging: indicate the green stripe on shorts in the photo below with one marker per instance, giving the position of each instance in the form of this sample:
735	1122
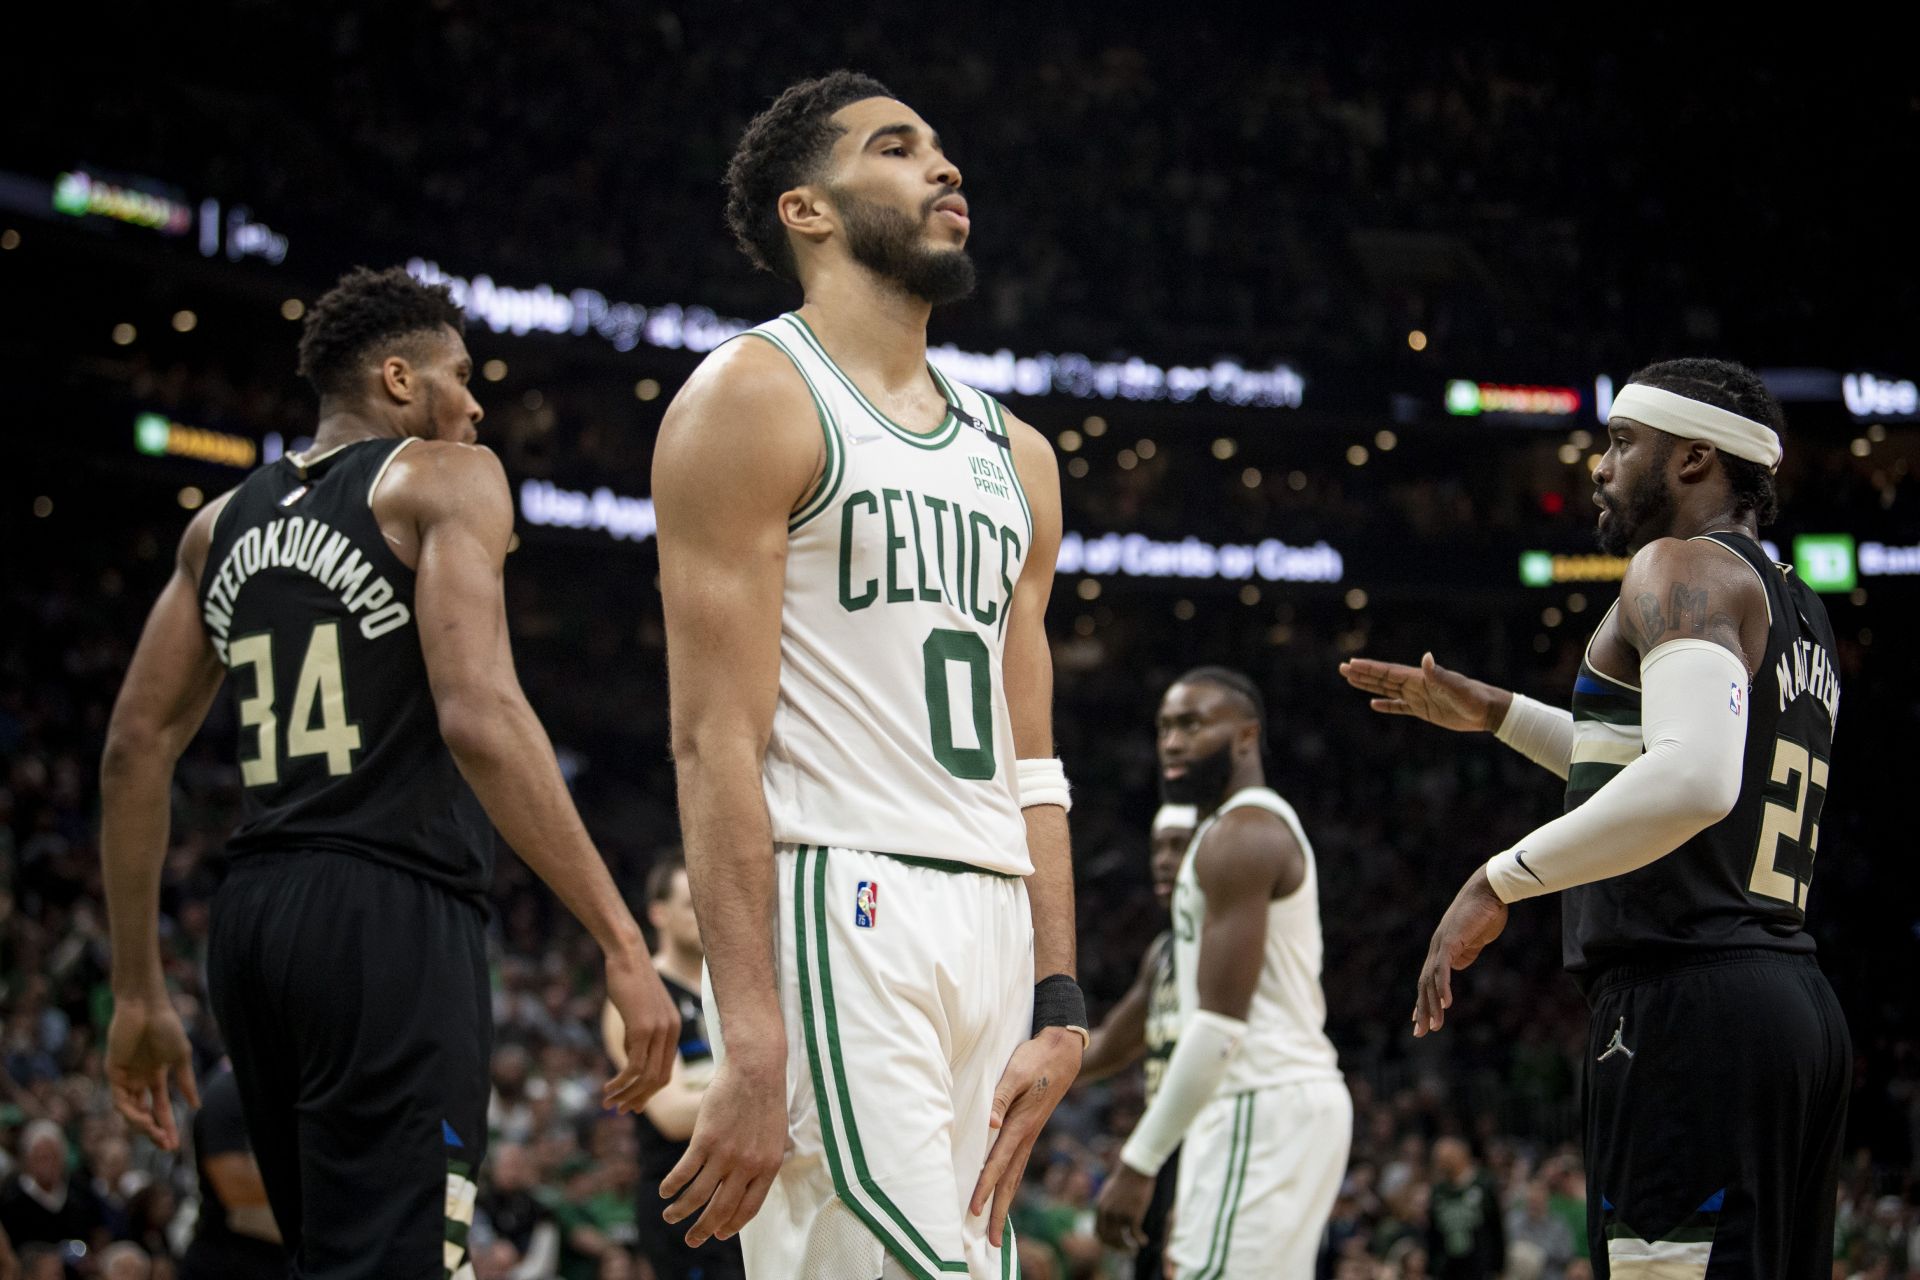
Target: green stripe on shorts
1240	1146
825	1026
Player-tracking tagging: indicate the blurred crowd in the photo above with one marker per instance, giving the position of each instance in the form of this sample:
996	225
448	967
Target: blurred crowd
1309	189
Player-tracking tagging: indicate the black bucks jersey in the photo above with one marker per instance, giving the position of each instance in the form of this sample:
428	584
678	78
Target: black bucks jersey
1743	881
1163	1011
312	614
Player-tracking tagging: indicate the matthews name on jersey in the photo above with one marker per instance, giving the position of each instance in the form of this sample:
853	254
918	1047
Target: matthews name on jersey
312	614
891	731
1743	881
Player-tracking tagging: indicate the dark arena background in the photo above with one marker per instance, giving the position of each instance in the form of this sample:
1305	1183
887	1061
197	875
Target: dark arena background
1323	322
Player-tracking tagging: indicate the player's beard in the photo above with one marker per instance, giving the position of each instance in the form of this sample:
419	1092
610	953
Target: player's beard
1204	783
889	243
1646	508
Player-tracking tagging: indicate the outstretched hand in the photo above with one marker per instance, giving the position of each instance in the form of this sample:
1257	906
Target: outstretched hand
146	1048
1428	692
1475	919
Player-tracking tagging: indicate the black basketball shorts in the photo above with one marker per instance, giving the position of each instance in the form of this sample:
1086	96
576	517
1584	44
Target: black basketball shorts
354	1001
1716	1101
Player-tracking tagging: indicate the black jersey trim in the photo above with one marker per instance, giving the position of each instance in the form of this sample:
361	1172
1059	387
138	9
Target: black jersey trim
1735	553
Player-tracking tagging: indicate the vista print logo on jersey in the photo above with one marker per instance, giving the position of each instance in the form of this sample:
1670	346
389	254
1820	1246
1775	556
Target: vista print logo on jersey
866	904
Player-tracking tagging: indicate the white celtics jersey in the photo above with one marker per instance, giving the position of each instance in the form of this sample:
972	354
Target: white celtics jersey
891	732
1286	1040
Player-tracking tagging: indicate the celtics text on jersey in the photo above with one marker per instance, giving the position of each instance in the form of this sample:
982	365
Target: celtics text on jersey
891	731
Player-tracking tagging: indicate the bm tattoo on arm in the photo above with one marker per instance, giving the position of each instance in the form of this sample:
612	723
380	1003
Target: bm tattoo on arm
1689	612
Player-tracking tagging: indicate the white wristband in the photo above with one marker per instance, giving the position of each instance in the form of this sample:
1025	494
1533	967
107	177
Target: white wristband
1199	1063
1042	781
1541	733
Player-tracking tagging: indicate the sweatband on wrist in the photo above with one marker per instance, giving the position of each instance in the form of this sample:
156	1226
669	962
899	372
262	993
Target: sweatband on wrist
1042	781
1207	1044
1541	733
1059	1002
1693	714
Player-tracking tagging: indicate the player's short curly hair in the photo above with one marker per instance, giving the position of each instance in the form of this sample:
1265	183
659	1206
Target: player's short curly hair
1738	389
782	148
367	309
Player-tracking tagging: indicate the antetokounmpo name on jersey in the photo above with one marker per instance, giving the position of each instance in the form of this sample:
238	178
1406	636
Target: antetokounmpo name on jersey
1808	668
934	550
312	547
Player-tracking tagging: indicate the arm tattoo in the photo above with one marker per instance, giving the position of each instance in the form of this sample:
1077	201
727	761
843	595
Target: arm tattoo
1688	607
1689	612
1653	624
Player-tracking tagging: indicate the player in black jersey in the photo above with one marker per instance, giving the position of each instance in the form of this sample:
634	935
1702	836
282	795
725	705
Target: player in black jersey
354	592
1146	1020
1697	760
666	1122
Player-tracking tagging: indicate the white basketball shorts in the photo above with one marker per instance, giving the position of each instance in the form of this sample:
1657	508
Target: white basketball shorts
906	985
1258	1175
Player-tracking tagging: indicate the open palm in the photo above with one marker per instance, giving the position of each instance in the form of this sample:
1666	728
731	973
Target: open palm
1429	692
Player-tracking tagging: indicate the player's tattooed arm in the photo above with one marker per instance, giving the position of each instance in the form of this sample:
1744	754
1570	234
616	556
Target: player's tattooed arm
1692	590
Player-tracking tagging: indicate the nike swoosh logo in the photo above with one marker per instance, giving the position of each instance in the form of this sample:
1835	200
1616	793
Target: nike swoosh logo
1520	856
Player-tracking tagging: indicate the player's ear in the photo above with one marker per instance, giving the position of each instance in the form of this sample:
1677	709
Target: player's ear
1696	460
806	212
399	379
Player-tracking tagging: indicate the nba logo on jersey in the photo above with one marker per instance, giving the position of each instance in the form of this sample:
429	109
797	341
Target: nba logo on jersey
1733	701
866	904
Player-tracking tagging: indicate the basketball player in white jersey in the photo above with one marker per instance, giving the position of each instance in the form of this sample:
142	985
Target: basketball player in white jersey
856	555
1253	1086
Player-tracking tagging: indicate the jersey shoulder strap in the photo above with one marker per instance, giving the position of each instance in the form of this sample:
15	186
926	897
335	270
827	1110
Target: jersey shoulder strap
1257	798
784	332
1772	576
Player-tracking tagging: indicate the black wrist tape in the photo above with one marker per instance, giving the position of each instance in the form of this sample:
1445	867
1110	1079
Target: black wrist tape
1058	1002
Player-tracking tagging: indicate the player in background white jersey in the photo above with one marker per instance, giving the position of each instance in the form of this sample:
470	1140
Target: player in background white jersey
856	556
1253	1086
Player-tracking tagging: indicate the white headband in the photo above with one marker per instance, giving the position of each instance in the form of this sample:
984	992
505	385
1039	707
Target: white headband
1175	817
1690	419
